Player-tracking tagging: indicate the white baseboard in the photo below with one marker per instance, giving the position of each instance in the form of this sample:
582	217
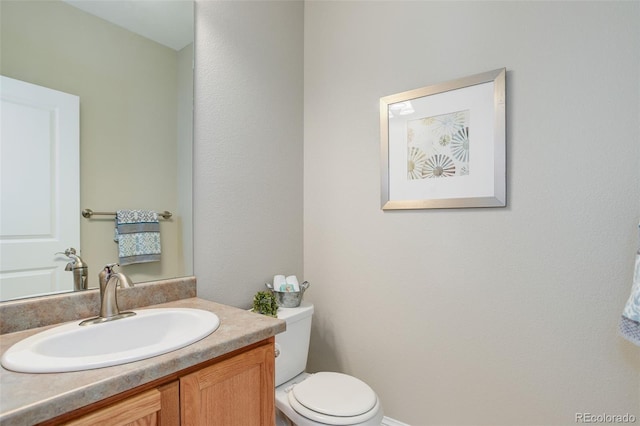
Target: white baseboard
386	421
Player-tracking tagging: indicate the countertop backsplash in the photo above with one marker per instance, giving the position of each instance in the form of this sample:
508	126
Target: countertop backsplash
23	314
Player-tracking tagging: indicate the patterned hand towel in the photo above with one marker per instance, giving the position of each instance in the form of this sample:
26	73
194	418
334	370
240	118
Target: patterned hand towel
138	236
630	321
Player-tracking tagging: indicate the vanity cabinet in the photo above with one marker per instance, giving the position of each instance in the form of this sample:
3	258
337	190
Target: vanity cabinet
237	391
234	389
139	410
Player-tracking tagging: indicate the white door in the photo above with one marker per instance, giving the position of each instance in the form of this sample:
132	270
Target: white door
40	191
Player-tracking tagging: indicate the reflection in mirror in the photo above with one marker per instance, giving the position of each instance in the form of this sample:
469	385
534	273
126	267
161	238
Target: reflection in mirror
135	94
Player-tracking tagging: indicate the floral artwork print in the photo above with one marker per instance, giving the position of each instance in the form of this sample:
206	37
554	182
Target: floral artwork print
438	147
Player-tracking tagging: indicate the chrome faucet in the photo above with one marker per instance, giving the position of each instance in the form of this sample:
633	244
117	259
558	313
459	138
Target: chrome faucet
109	281
79	268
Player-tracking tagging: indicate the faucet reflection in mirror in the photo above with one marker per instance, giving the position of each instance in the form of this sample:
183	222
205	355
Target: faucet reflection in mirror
78	267
109	282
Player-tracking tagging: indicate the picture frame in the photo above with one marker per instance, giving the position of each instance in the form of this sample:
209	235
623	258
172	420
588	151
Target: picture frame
444	146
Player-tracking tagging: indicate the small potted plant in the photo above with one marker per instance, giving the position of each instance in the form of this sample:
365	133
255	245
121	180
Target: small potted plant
264	302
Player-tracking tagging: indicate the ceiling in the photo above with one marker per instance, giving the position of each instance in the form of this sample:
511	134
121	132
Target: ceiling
168	22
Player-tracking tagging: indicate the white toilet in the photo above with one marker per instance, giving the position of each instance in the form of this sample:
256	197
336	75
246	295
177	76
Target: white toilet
325	398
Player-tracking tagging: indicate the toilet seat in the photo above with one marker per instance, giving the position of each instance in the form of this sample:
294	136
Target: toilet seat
334	398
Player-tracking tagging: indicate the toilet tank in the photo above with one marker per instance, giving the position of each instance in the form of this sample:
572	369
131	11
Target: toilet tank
293	344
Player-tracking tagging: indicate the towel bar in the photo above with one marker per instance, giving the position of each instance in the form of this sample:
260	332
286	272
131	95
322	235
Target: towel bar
88	213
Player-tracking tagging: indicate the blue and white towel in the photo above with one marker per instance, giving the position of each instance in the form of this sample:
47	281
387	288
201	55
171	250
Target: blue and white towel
138	236
630	321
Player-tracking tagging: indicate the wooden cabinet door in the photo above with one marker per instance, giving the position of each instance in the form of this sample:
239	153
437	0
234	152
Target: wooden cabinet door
138	410
236	391
169	415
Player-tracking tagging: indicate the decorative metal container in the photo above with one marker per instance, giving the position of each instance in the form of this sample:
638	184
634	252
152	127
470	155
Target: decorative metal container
289	299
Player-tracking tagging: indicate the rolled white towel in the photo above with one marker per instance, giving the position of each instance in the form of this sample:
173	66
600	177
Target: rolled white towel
630	321
279	281
292	283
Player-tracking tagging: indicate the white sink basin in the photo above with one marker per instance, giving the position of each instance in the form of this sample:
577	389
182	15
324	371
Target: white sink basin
72	347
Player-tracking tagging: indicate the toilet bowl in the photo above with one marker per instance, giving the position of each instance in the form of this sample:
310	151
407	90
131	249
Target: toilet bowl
312	400
324	398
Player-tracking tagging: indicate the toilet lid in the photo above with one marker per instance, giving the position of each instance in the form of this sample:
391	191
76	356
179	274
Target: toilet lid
335	394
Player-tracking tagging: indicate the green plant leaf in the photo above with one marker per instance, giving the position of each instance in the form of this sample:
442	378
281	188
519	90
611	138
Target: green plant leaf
264	302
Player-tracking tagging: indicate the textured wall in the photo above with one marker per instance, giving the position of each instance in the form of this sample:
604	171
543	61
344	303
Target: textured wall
482	316
248	146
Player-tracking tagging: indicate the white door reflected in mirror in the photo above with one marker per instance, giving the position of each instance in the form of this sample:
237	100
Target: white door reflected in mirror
40	128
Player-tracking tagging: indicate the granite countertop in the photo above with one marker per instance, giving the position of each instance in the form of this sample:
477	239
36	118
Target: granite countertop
32	398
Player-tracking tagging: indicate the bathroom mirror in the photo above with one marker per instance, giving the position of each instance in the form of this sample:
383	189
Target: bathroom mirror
130	63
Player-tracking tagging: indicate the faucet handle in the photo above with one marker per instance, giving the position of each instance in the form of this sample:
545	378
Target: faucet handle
67	252
76	261
123	280
108	268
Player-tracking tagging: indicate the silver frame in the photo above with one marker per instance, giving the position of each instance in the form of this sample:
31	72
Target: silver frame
499	198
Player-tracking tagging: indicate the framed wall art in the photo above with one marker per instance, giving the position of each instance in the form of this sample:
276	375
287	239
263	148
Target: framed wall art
443	146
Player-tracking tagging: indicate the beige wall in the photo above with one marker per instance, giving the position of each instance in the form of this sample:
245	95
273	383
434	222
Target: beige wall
128	95
184	163
456	317
248	146
483	316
